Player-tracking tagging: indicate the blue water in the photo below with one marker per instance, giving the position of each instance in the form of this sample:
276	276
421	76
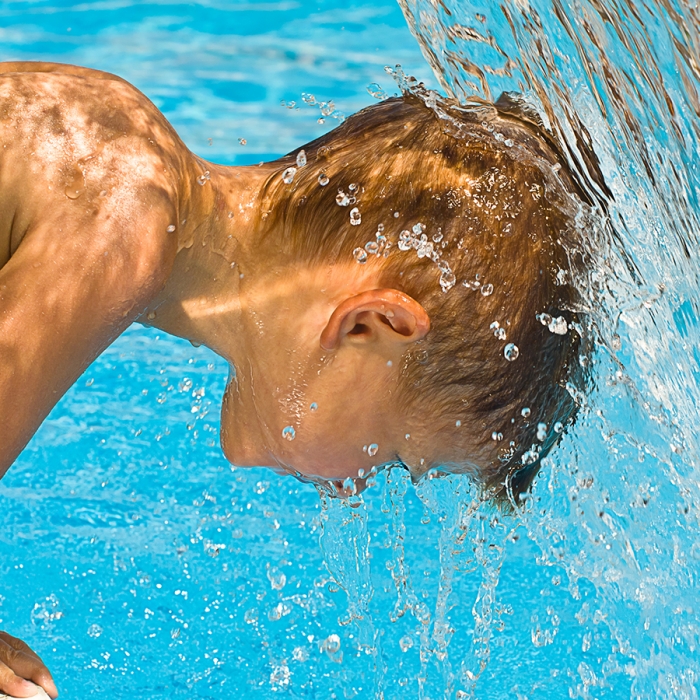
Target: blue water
138	563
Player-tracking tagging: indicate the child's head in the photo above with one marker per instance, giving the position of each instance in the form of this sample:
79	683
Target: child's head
470	213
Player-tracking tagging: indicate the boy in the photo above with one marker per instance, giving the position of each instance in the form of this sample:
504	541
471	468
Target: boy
397	291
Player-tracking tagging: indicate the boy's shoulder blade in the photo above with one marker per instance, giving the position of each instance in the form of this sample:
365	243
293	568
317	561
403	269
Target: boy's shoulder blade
73	139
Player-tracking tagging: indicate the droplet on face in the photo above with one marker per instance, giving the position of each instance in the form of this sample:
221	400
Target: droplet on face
373	449
288	176
487	290
511	352
323	179
170	229
360	255
355	217
458	423
313	406
301	158
289	433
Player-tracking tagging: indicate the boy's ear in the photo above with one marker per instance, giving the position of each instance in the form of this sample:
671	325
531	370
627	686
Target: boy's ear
385	315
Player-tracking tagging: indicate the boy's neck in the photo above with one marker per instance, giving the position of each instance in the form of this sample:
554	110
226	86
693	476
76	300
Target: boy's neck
216	247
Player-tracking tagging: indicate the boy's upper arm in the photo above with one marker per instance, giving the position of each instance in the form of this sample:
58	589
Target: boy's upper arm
82	273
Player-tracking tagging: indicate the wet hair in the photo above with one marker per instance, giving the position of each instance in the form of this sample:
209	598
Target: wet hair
471	211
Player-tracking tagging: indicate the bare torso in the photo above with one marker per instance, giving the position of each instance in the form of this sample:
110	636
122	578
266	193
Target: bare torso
93	185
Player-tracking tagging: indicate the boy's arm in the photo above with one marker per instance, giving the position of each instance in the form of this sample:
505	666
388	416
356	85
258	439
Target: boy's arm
82	273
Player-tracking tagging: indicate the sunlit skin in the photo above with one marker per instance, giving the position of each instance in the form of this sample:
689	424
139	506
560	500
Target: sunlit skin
106	218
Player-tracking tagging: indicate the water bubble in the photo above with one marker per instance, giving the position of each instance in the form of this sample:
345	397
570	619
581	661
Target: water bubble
323	179
541	432
301	158
251	616
511	352
204	178
331	644
558	427
447	280
313	406
94	631
342	200
405	240
170	228
558	325
360	255
288	176
277	578
486	290
355	217
376	91
289	433
525	413
308	98
405	643
242	142
396	215
373	449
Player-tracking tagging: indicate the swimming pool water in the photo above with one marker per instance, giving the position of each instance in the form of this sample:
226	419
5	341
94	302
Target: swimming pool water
138	563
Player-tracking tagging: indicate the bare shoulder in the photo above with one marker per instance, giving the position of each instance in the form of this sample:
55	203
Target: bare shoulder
85	146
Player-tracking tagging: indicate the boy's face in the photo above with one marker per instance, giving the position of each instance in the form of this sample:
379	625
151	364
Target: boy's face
296	406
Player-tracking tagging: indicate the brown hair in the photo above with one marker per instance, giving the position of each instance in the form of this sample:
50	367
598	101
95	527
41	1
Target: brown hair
470	212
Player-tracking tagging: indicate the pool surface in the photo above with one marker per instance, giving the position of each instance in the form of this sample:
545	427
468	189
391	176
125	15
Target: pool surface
139	564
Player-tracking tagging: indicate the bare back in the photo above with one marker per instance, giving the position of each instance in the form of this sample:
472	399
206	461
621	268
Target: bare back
91	187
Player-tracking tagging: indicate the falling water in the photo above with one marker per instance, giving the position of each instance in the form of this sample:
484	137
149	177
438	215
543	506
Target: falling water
614	512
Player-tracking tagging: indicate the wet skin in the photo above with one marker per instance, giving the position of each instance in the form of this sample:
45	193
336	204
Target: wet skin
107	218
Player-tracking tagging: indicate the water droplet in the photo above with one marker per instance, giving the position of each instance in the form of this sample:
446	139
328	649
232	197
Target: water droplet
313	406
544	319
331	644
405	240
323	179
170	228
151	315
508	142
389	363
396	215
230	215
301	158
94	631
405	643
352	186
342	200
407	436
376	91
500	333
360	255
487	290
372	247
495	435
458	423
511	352
355	217
541	432
288	176
373	449
437	237
447	280
242	142
204	178
558	325
525	413
558	427
289	433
